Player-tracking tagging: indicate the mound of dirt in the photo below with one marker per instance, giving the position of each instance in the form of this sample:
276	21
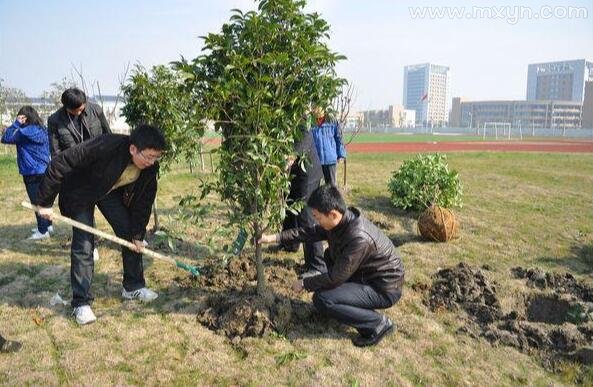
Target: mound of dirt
464	287
233	309
557	323
560	282
243	315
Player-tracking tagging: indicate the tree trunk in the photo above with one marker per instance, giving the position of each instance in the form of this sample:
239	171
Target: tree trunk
155	216
259	265
202	160
191	167
345	171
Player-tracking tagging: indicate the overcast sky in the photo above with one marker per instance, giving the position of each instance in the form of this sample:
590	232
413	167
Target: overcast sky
487	49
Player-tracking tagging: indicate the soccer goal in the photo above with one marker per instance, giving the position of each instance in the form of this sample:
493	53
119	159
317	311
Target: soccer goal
497	128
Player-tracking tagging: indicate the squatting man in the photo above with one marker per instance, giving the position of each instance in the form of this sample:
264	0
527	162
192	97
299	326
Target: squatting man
364	269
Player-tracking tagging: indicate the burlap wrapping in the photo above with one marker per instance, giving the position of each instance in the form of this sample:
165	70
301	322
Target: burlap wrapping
438	224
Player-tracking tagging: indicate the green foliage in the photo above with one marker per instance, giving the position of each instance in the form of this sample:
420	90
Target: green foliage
158	97
424	181
256	81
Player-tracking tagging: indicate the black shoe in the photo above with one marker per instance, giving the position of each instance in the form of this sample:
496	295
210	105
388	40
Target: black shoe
291	248
366	341
10	346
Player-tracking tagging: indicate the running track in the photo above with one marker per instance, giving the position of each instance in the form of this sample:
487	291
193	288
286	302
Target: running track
498	146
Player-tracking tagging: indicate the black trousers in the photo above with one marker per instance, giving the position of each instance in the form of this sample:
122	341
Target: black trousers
32	186
301	187
354	304
81	253
329	173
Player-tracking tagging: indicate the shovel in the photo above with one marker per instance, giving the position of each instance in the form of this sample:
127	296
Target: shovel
153	254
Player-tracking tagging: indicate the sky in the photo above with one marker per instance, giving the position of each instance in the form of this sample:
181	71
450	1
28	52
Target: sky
487	49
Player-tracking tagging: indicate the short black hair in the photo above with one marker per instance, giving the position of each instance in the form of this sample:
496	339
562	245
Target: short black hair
327	198
148	137
73	98
32	116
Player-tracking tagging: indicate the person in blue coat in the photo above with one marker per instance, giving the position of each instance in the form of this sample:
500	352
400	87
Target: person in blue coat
328	141
32	146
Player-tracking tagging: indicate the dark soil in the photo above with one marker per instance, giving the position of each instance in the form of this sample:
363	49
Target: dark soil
233	308
556	321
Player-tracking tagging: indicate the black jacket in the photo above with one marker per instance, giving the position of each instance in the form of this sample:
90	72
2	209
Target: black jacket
304	182
64	135
84	174
357	252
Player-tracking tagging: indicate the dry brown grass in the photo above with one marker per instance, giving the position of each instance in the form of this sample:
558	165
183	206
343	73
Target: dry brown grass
520	209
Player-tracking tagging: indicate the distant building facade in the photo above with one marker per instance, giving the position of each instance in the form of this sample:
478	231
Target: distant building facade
588	106
427	92
395	116
559	81
525	114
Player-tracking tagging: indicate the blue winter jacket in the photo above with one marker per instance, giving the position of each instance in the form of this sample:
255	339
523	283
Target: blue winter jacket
32	147
328	142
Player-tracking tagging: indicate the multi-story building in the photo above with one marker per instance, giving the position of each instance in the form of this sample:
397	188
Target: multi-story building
427	91
558	81
526	114
395	116
588	106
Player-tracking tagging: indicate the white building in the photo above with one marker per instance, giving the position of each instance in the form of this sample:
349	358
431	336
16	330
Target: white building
112	107
427	92
559	81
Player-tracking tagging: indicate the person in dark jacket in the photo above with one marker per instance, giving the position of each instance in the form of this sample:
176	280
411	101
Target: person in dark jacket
328	141
304	179
32	146
118	173
365	271
76	121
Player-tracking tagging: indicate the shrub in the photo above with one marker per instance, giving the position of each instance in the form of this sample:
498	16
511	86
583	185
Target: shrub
424	181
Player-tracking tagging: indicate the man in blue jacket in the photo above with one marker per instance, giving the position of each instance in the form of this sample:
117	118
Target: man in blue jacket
328	141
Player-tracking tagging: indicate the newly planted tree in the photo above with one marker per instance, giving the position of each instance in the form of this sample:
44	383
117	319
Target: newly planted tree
256	81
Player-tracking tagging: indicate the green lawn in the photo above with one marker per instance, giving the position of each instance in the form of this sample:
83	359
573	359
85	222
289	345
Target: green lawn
525	209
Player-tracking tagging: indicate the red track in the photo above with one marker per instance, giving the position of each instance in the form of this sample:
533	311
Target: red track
498	146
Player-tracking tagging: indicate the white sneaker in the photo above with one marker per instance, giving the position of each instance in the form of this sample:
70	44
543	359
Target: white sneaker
38	236
143	294
50	229
84	315
95	255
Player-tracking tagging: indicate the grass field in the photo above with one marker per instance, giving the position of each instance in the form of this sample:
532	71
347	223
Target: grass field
519	209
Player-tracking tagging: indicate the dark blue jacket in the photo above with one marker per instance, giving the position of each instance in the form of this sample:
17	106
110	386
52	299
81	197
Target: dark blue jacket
328	142
32	146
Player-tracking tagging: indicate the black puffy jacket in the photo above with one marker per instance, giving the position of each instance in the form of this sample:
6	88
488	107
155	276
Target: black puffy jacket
358	252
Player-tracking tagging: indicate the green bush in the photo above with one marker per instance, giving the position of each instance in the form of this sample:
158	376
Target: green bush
424	181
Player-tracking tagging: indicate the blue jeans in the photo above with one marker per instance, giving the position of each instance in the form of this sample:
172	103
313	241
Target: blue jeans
32	185
354	304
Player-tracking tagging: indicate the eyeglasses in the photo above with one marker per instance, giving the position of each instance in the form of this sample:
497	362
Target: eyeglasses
151	160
